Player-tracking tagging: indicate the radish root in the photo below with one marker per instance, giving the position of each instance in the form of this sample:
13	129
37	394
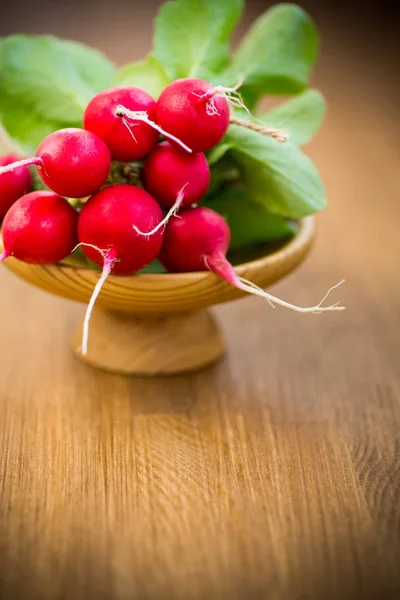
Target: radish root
256	287
141	115
316	310
224	269
171	213
125	122
231	94
104	253
109	261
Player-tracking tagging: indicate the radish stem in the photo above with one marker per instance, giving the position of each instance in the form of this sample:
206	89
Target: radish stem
278	134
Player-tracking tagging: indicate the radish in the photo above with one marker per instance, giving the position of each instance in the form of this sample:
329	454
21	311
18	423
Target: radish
199	240
72	162
101	118
40	228
167	170
108	238
13	185
195	112
191	113
175	179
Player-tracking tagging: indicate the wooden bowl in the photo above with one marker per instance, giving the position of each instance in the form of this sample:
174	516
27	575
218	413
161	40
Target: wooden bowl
159	324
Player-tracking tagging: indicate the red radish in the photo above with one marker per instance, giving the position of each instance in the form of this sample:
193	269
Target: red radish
175	179
40	228
101	118
199	240
107	219
108	238
195	112
167	170
72	162
13	185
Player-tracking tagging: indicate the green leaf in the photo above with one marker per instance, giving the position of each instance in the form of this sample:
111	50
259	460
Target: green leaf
154	268
222	168
24	126
214	155
222	172
146	74
93	66
277	54
277	176
8	145
249	223
191	37
54	78
301	116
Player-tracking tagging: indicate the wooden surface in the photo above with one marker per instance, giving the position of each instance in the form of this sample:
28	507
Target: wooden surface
273	475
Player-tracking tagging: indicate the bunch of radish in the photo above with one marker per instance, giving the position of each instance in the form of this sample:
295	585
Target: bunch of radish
123	227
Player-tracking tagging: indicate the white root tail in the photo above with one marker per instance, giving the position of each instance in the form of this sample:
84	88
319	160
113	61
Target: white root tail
141	115
104	253
125	122
220	265
316	310
109	258
171	213
256	287
109	262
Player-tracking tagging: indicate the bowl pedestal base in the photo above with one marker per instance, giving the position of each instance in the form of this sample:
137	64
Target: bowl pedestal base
151	345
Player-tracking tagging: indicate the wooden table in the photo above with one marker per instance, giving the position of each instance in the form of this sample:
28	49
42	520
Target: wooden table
273	475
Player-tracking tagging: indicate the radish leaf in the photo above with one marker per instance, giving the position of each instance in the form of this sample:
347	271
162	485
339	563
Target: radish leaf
48	82
250	223
146	74
277	176
191	36
277	53
301	116
25	127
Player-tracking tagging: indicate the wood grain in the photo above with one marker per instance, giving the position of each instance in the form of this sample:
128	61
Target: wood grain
272	475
